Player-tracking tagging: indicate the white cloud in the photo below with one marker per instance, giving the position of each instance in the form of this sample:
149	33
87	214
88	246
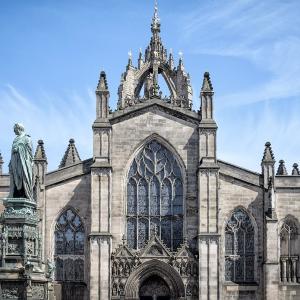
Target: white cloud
49	117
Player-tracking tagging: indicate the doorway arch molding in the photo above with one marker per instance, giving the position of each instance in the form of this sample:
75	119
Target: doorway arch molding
158	268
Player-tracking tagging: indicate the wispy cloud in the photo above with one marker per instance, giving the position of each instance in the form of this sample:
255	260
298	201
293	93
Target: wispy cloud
55	119
267	33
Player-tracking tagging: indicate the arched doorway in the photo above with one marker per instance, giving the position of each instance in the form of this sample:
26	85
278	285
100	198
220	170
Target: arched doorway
154	280
154	288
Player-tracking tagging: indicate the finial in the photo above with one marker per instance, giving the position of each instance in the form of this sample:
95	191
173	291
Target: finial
124	239
129	58
40	154
281	168
206	85
102	83
155	26
295	171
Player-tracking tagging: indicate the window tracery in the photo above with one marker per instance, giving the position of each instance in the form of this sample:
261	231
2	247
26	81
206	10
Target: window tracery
289	245
239	248
69	247
154	197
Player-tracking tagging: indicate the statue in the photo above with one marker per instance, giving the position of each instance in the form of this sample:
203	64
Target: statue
50	269
21	165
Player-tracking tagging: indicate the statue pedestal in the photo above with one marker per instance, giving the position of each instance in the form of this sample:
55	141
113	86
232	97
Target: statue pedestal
22	274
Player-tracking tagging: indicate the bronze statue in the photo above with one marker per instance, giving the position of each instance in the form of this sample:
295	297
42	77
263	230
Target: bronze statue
21	165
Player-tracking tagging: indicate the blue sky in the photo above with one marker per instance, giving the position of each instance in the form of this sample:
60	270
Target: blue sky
52	52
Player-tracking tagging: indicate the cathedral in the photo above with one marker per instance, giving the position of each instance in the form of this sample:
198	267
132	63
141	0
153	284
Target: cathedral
154	214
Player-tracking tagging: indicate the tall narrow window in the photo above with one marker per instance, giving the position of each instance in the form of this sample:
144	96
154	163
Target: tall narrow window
239	248
69	254
289	250
154	197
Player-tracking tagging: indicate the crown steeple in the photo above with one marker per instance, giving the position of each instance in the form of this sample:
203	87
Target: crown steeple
154	63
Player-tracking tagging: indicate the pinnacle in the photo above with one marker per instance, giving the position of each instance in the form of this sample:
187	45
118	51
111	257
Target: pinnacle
207	85
40	153
102	83
281	168
268	153
71	155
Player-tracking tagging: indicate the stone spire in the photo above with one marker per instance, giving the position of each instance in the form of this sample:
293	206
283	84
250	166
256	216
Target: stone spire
102	97
268	171
295	171
268	153
71	155
206	97
281	168
40	154
1	164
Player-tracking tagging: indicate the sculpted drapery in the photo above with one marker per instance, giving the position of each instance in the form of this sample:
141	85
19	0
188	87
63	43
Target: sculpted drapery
21	165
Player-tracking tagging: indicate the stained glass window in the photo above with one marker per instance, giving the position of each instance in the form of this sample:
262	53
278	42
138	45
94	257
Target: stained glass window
154	197
239	248
69	247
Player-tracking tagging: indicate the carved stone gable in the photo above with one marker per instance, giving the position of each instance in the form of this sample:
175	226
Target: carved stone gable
155	247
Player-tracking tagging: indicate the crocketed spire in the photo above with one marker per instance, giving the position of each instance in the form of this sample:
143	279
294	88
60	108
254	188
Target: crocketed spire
268	153
154	63
295	171
207	85
40	153
102	83
281	168
71	155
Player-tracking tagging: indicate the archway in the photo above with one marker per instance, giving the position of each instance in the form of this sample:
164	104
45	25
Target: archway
154	288
157	273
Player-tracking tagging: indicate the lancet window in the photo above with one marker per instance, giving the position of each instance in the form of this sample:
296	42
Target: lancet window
69	247
239	248
154	197
289	250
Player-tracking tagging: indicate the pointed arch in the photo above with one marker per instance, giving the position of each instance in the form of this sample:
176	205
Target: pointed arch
289	244
163	70
159	203
69	246
154	268
240	236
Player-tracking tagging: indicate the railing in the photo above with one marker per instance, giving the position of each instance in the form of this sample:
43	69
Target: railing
288	268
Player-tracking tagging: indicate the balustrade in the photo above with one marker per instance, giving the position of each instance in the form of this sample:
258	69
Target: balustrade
288	268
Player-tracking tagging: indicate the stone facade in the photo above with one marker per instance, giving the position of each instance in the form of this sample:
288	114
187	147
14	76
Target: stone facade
239	238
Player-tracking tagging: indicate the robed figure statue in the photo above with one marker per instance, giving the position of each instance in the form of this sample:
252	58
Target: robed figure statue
21	165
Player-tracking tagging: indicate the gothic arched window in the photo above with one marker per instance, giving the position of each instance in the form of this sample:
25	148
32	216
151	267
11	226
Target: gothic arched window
239	248
289	249
154	197
69	247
